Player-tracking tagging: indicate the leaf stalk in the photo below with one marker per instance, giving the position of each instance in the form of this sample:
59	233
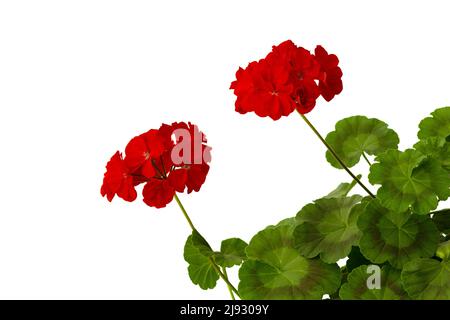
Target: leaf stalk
336	156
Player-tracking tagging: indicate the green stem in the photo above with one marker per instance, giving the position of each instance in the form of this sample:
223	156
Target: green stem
230	286
335	155
184	212
367	159
224	277
224	270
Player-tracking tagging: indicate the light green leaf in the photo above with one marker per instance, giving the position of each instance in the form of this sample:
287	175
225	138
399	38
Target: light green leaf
287	222
357	135
427	279
232	253
291	222
198	254
443	250
436	148
442	220
438	125
357	289
343	189
328	228
409	179
396	237
276	271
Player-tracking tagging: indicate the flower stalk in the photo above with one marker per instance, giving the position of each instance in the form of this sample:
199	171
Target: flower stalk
223	275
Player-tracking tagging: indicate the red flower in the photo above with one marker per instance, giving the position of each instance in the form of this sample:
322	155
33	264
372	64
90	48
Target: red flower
289	78
306	96
330	82
137	156
243	87
158	193
168	160
264	89
301	63
118	180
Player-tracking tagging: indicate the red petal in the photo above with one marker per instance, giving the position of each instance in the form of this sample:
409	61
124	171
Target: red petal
117	180
196	176
177	179
148	170
158	193
155	143
127	191
135	152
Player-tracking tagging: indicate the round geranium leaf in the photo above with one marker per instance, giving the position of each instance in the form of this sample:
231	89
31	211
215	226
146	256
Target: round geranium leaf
360	135
427	279
396	237
292	223
232	253
198	255
328	228
359	286
409	179
438	125
437	148
276	271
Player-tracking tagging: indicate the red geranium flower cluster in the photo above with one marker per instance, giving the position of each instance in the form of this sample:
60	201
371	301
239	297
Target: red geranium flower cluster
289	78
172	159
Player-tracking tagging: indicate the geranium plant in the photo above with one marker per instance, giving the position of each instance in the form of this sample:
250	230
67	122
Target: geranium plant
389	243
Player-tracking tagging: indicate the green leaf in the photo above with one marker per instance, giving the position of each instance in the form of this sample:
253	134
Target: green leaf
443	250
356	287
438	125
276	271
357	135
442	220
356	259
291	222
436	148
232	253
409	179
201	244
396	237
198	254
427	279
328	228
287	222
343	189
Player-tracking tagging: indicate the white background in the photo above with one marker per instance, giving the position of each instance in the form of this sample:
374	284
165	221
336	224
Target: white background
78	79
